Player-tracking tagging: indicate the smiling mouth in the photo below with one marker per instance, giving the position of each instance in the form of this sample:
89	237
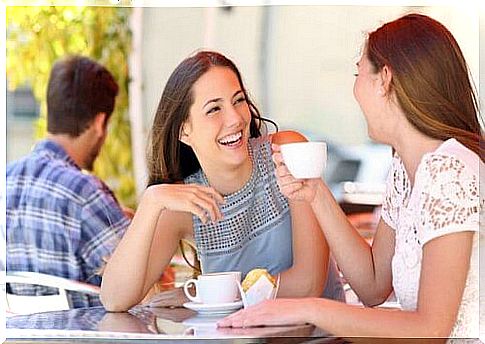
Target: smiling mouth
231	140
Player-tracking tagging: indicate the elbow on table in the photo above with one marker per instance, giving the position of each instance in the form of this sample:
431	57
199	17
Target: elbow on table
113	305
443	332
373	297
372	301
438	327
430	327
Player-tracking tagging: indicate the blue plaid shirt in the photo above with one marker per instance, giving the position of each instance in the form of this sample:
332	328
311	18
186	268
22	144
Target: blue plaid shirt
60	221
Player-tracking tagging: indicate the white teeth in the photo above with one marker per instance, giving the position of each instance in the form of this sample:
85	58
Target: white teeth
231	138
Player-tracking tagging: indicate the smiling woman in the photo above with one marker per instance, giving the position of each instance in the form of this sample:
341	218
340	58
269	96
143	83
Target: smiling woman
220	108
212	179
414	90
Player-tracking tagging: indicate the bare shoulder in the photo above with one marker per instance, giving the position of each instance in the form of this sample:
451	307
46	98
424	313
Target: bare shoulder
287	136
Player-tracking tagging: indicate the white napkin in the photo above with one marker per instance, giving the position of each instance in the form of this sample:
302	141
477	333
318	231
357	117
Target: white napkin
263	289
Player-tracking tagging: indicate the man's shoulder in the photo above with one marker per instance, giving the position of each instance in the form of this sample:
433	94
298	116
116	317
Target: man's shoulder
83	184
53	174
14	167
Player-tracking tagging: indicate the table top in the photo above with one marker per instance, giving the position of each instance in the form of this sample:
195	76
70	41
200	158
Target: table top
141	323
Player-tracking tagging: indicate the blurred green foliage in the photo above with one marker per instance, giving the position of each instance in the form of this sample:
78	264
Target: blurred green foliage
39	35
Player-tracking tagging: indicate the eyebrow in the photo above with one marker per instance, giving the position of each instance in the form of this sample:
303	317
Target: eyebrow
215	100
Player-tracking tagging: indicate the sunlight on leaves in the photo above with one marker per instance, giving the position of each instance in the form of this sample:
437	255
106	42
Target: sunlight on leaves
39	35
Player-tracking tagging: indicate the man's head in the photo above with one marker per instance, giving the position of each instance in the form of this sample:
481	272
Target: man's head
80	99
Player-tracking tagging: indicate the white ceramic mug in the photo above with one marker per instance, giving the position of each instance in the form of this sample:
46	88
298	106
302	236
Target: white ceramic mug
219	287
305	159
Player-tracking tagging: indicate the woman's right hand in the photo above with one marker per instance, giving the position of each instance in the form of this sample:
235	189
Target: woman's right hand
202	201
292	188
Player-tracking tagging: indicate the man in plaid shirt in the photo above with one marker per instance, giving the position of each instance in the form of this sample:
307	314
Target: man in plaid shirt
60	220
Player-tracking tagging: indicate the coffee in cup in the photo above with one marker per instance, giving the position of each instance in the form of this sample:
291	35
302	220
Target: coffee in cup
212	288
305	159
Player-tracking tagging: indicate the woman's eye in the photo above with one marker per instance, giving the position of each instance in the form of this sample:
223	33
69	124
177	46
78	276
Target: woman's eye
213	110
240	100
356	74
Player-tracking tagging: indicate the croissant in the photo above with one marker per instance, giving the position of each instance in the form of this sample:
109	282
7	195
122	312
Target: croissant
254	275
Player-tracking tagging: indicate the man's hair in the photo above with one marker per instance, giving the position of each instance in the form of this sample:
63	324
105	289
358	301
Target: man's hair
79	88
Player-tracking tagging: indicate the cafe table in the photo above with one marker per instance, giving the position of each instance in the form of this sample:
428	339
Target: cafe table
147	324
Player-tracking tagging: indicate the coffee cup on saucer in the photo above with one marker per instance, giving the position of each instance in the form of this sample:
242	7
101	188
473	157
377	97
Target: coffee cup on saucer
214	288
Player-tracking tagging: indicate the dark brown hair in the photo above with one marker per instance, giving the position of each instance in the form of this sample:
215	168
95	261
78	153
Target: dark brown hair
78	89
430	78
169	159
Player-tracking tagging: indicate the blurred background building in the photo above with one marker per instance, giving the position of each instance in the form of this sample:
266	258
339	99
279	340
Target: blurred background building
297	62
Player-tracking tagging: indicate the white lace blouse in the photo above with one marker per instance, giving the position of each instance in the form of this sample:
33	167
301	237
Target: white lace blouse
445	199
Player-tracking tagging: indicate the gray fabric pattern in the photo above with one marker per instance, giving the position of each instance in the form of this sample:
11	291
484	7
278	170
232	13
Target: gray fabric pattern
253	210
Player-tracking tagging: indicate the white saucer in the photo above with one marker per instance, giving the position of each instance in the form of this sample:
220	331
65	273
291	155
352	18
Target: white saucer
214	308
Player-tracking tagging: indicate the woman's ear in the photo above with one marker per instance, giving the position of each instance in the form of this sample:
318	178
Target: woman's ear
183	134
385	81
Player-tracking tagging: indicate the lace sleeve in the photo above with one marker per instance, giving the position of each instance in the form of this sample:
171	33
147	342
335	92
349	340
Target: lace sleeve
449	197
396	188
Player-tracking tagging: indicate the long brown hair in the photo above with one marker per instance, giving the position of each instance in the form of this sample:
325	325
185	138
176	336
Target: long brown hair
430	78
169	159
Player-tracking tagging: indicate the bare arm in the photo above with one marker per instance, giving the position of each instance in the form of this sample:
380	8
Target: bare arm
308	274
438	301
161	220
368	269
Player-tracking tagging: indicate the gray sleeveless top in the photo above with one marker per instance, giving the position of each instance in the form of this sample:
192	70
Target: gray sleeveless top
256	227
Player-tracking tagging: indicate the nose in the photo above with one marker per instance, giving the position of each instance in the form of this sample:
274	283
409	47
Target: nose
232	117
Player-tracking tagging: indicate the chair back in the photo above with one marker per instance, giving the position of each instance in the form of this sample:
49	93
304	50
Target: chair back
27	304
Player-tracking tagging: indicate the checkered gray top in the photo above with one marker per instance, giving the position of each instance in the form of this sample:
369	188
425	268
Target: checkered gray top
248	213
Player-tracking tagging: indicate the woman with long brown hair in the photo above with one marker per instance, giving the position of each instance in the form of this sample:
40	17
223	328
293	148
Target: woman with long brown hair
212	179
415	92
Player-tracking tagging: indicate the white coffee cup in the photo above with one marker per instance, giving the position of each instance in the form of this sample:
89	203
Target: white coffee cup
219	287
305	159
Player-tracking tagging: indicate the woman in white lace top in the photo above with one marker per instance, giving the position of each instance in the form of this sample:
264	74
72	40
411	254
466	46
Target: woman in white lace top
414	90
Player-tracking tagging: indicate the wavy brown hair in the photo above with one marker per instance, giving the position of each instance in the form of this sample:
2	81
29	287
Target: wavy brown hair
169	159
431	79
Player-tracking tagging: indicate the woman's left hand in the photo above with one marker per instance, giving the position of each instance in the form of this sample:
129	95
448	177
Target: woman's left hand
294	189
269	313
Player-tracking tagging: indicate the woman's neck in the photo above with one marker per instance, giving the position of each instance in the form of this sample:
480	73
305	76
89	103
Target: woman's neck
411	145
228	181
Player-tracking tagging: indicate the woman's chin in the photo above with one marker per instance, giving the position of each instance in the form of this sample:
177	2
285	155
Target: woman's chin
372	135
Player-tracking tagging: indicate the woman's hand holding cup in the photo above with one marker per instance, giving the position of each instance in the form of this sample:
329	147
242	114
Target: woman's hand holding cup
293	188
